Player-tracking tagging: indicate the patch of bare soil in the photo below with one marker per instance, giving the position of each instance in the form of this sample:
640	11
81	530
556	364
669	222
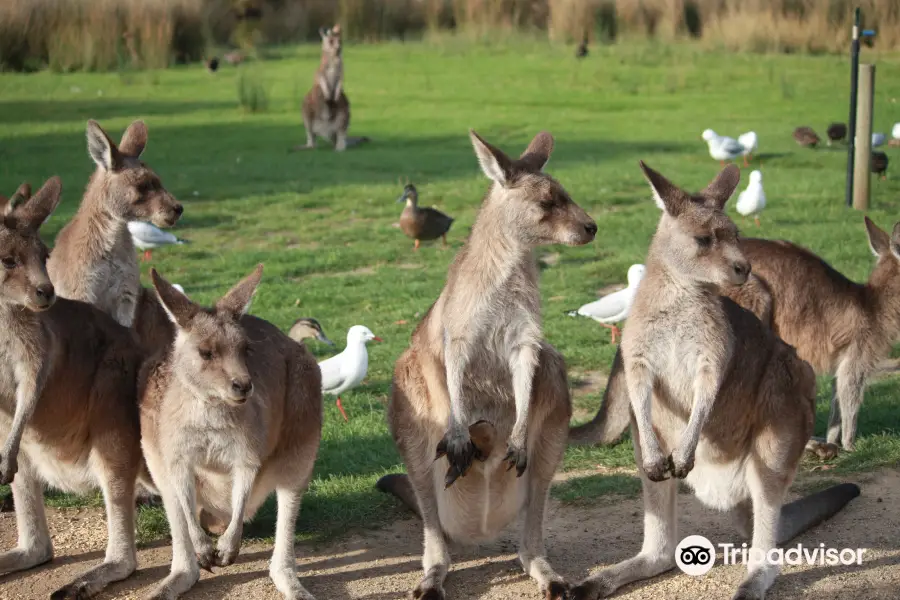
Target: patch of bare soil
385	564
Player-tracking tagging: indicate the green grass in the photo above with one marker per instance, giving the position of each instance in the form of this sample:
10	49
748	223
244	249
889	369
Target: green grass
321	221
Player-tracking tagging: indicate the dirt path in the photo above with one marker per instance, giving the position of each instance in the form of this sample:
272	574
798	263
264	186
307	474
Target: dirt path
384	564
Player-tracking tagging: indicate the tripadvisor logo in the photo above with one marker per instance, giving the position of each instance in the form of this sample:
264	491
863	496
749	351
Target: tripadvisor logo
695	555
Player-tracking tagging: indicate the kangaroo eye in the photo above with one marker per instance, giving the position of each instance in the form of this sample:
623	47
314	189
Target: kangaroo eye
206	354
704	241
9	263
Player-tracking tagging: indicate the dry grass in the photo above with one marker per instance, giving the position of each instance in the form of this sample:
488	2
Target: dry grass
107	34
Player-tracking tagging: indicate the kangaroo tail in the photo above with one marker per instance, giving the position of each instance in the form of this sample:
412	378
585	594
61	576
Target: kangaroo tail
614	415
807	512
399	485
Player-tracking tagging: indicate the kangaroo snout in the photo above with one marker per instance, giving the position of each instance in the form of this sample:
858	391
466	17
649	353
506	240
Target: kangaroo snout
44	296
591	228
740	271
241	388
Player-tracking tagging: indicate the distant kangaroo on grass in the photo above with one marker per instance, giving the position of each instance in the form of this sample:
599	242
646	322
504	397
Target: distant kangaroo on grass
835	324
68	402
94	258
231	413
717	399
479	386
326	110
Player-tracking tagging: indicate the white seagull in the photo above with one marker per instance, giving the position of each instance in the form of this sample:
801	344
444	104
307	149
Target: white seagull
347	369
750	142
752	200
895	132
613	308
147	236
877	139
722	148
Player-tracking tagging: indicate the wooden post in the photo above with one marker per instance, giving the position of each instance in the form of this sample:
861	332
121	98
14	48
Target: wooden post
862	161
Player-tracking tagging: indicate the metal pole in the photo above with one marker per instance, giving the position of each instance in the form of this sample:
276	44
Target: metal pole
863	160
854	78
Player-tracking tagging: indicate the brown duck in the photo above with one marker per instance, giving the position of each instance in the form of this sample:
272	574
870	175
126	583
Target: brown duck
805	136
879	163
422	223
836	132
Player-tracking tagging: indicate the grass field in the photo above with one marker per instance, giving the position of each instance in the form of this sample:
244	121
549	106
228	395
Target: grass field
322	221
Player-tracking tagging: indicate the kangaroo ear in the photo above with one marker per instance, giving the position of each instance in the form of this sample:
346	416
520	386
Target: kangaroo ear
722	187
237	300
494	163
879	241
666	194
30	214
101	148
178	306
134	139
537	154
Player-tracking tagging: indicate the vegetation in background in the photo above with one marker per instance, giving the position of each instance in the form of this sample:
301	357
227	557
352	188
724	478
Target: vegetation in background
102	35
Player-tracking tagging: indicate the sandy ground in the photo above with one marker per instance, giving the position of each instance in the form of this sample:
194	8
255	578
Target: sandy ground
384	564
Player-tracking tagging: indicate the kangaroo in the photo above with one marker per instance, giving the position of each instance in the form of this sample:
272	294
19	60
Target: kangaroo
326	110
232	412
68	380
732	404
94	258
478	373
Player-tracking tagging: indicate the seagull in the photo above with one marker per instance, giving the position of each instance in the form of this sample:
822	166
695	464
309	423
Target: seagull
347	369
752	200
750	142
147	236
722	148
895	132
613	308
877	139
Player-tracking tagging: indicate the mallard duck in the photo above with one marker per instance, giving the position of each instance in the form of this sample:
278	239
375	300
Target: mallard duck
836	132
805	136
422	223
880	164
347	369
582	50
307	328
212	64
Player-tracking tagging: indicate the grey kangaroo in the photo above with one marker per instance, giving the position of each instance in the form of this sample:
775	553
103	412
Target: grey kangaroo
479	387
717	399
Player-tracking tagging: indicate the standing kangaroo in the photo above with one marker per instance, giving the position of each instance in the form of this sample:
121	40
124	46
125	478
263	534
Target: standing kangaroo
837	325
732	404
94	258
231	413
68	381
478	373
326	110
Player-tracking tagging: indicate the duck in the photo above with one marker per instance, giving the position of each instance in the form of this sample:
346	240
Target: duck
147	236
878	139
805	136
582	50
750	142
752	200
422	223
346	370
880	164
613	308
722	148
895	131
212	64
307	328
836	132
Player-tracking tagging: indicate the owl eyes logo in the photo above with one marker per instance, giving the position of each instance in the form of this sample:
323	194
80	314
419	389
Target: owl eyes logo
695	555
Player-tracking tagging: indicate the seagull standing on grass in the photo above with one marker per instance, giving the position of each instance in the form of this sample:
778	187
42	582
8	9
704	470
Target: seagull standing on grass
347	369
722	148
147	236
613	308
877	139
750	142
752	200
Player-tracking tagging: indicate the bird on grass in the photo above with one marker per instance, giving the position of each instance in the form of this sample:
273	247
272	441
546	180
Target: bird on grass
750	142
307	328
346	370
722	148
752	200
836	132
613	308
422	223
878	139
895	131
212	64
806	137
880	164
147	236
582	50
